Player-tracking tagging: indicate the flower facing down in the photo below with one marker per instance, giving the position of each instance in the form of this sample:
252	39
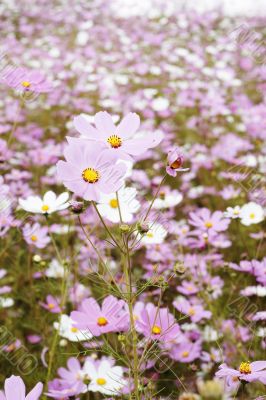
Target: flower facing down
249	372
121	140
175	160
111	317
27	80
49	204
36	235
104	376
157	324
251	213
89	170
15	390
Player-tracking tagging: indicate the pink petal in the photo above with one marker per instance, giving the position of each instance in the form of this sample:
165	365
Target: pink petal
104	123
128	126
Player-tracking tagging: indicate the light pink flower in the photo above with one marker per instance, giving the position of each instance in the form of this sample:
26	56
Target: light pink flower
121	139
89	170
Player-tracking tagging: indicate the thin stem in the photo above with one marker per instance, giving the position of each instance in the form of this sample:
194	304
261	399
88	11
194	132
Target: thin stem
106	228
119	208
154	198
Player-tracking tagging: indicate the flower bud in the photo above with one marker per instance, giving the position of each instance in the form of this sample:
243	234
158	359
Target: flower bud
143	227
76	206
211	390
179	268
36	258
124	228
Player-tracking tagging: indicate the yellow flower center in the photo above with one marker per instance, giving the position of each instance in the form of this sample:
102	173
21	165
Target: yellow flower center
191	312
244	368
115	141
101	321
45	208
34	238
185	354
113	203
149	234
101	381
156	330
51	306
252	216
74	330
90	175
208	224
236	212
25	84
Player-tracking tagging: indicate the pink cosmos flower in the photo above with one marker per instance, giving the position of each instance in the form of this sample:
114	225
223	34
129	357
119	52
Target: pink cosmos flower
195	312
36	235
89	170
73	375
111	317
249	372
27	80
121	139
207	222
188	288
186	351
51	305
15	389
175	160
156	324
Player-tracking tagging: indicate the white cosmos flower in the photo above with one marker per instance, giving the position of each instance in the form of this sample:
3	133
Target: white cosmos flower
108	206
251	213
55	269
6	302
67	330
232	212
155	234
49	204
168	200
105	378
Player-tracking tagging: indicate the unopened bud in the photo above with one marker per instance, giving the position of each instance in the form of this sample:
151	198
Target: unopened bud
179	268
143	227
124	228
76	206
36	258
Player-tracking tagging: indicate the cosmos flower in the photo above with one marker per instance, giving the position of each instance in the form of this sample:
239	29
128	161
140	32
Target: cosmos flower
251	213
48	205
121	140
68	330
167	200
104	376
186	352
73	374
111	317
175	160
195	311
55	269
232	212
51	304
15	389
90	171
36	235
205	221
248	372
155	234
156	324
27	80
108	205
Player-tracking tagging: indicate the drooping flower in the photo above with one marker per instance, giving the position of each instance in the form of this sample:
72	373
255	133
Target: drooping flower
105	377
111	317
49	204
15	389
121	140
128	204
251	213
175	160
89	170
36	235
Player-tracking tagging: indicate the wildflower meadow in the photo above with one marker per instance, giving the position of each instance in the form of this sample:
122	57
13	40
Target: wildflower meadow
132	202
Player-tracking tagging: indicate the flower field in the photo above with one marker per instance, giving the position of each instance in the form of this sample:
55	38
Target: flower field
132	203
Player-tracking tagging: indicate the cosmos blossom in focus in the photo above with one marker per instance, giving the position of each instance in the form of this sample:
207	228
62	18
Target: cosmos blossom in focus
121	139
